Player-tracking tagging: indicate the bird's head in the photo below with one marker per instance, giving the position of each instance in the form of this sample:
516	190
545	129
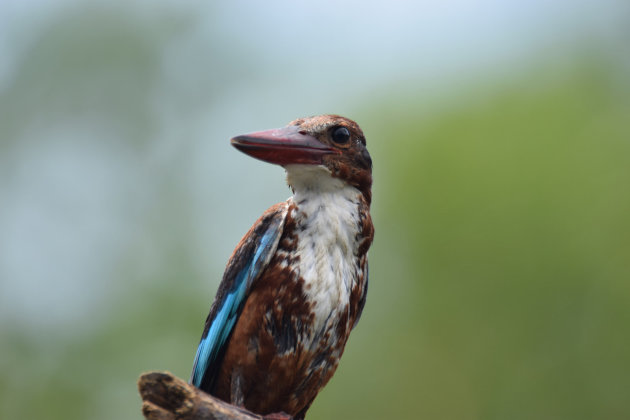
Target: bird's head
313	150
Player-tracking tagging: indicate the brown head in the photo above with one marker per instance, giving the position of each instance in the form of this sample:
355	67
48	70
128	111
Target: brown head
329	141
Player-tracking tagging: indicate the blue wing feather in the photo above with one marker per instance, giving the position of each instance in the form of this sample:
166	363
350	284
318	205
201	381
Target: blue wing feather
230	304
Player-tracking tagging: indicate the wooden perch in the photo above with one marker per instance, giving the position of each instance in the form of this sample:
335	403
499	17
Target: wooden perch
166	397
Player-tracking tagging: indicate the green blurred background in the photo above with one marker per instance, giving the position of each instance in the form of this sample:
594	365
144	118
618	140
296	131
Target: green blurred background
500	134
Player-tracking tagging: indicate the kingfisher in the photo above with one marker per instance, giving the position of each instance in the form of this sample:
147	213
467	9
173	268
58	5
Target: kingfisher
296	284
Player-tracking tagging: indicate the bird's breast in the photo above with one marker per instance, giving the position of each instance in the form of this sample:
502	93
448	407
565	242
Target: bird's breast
324	255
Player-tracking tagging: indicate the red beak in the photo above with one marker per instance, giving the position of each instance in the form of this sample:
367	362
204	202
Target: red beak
283	146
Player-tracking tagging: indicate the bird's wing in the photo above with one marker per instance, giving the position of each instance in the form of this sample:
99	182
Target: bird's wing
248	260
361	305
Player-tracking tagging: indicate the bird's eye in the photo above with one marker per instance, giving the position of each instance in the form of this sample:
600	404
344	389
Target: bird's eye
340	135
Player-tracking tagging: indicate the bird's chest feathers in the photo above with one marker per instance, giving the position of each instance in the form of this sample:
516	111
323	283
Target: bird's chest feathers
327	226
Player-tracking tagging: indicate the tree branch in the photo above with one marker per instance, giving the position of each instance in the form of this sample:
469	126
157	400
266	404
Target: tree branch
166	397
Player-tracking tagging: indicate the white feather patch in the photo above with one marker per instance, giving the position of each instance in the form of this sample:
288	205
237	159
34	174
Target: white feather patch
328	224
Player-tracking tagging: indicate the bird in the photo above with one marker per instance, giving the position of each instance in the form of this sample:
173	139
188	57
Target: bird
296	284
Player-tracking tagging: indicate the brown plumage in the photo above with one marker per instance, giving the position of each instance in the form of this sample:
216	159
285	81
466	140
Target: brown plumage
296	284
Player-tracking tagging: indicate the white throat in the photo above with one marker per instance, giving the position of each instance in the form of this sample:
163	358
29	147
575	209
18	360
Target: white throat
328	226
311	178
